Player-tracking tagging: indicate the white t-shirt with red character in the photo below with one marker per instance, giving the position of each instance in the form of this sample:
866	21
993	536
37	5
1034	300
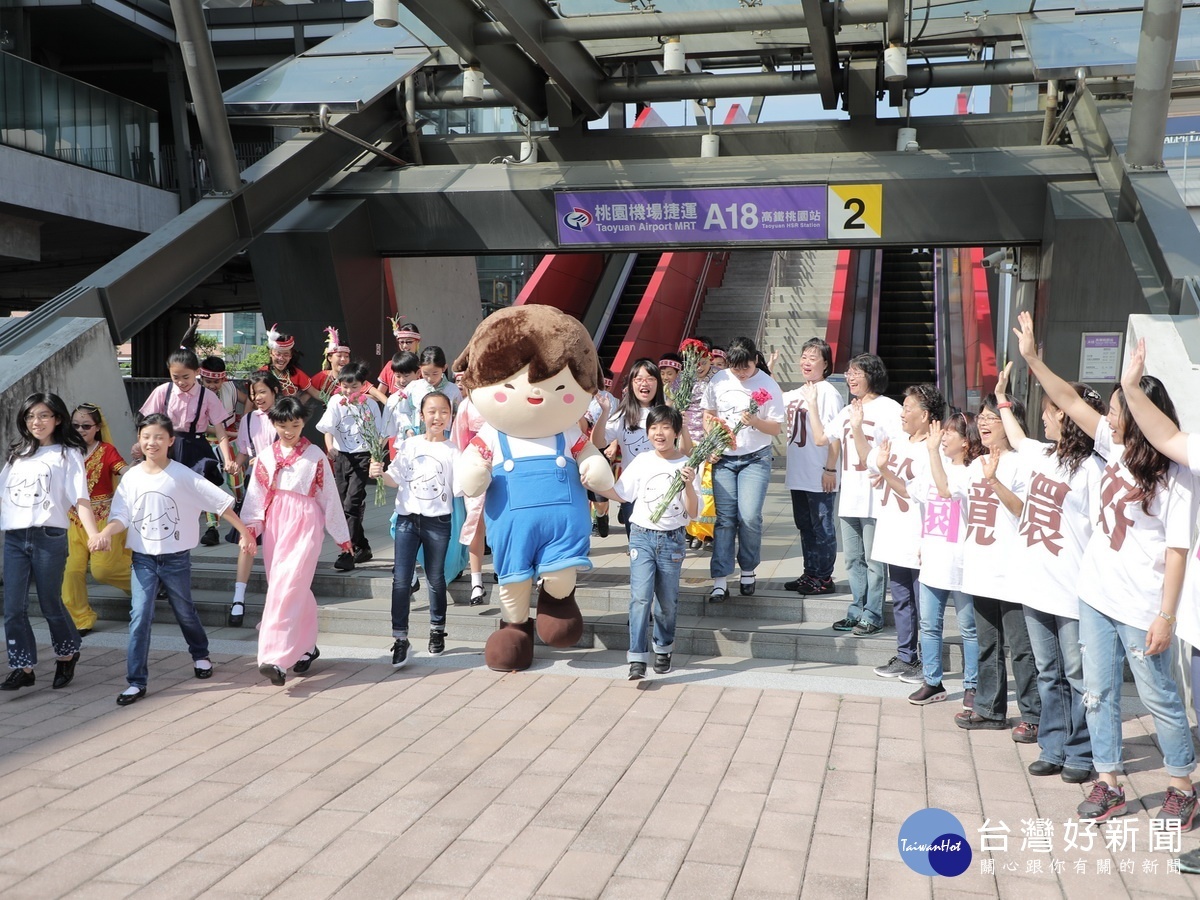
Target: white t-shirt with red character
898	519
881	419
805	460
989	567
1125	562
1055	527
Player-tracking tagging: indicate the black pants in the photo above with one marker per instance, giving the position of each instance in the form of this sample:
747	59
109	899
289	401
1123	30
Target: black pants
350	472
998	623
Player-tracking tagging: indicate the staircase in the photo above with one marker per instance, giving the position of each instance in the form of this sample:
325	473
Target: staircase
798	308
735	308
627	306
905	330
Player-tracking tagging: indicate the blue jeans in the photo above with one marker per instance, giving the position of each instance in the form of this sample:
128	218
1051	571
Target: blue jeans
1105	645
866	576
904	585
933	614
1062	731
42	554
655	561
812	511
739	491
174	572
997	624
432	534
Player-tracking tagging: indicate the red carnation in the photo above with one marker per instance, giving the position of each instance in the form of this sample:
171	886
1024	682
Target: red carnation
761	396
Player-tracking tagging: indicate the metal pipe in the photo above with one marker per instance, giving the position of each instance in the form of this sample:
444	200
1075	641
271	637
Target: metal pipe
1069	110
1051	109
1152	83
713	21
691	87
327	125
410	118
895	22
201	69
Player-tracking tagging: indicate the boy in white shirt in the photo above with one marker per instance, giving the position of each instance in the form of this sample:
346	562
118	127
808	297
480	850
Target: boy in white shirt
656	549
348	450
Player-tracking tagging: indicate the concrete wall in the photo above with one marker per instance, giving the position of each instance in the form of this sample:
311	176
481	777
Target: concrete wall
440	294
1172	354
33	182
75	359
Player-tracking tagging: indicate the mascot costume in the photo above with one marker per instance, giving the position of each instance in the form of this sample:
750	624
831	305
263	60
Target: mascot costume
531	372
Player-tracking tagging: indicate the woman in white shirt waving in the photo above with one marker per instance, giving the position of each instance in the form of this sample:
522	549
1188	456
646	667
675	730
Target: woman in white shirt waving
1129	588
41	482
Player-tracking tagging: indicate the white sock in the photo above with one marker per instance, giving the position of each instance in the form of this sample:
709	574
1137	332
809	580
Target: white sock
476	579
747	577
131	690
239	593
721	583
202	664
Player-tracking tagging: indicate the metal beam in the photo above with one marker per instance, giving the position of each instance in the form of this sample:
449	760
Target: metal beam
824	52
1152	83
984	196
569	65
512	72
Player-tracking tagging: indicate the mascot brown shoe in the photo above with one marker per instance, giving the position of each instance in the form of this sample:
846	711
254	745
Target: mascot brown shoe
559	621
510	648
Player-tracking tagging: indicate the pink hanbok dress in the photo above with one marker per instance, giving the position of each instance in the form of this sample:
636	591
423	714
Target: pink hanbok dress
466	425
291	501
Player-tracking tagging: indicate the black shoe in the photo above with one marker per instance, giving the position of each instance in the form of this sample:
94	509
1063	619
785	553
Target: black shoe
203	673
746	587
846	624
478	595
799	585
817	586
303	665
1041	767
866	629
211	537
237	610
17	679
602	525
126	699
272	672
662	663
718	595
437	643
1076	776
637	671
363	554
400	653
64	671
416	585
344	562
84	632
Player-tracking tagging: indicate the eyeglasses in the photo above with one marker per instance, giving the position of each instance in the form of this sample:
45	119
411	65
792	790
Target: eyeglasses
643	379
82	426
40	417
984	418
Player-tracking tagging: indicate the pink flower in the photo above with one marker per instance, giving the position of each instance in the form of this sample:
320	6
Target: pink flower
761	396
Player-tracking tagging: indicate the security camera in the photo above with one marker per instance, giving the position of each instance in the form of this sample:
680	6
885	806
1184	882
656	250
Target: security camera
997	259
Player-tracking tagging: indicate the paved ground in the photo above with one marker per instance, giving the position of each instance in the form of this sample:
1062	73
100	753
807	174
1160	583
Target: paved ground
726	778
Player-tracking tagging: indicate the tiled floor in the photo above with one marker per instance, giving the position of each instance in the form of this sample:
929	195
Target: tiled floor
726	778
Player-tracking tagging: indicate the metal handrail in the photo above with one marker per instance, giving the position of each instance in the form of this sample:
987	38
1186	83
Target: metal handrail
766	304
689	326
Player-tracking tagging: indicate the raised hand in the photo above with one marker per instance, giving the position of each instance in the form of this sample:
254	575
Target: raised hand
856	413
1026	342
1136	367
884	454
933	440
809	392
1002	380
991	462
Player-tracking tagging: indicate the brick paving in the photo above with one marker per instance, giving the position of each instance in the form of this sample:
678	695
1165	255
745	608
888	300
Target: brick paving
447	780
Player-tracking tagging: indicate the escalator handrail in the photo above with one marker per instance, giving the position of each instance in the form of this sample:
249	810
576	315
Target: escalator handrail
614	298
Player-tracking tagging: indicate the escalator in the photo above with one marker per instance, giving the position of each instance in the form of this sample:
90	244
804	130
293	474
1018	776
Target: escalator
906	337
626	308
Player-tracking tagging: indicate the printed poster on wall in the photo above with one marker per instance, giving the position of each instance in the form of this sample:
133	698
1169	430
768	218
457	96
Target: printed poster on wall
1100	356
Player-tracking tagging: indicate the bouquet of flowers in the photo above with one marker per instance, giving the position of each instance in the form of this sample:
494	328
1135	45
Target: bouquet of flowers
680	394
719	438
368	429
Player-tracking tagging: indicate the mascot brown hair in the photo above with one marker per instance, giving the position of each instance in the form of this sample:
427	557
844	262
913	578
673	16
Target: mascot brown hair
531	372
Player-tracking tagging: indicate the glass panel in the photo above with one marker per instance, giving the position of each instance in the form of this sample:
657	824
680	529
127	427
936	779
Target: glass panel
1103	44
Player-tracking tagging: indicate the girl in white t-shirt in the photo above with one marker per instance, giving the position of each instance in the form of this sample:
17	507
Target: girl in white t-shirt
433	378
1130	584
423	475
159	503
1062	493
656	549
255	436
943	534
41	482
898	522
991	488
624	430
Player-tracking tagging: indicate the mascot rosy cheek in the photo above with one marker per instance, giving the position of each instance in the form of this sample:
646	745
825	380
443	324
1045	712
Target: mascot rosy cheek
531	372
